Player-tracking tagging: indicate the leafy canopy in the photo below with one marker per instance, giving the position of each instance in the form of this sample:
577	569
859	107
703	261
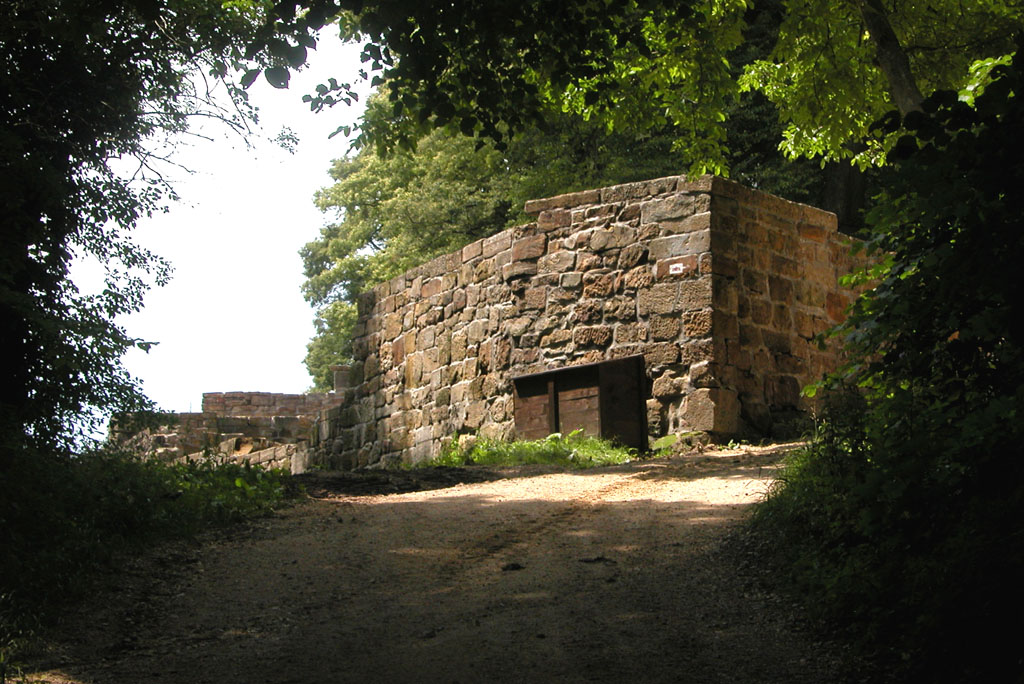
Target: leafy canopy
490	68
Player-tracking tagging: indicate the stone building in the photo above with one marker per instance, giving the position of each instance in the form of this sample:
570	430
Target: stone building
719	287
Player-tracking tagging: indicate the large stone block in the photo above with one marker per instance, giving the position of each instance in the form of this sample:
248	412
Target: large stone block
782	392
413	369
780	289
599	335
690	224
713	410
777	342
572	199
598	285
496	243
621	308
475	389
553	218
529	248
518	269
760	311
664	328
638	278
627	333
670	208
585	261
810	231
631	255
660	354
534	298
696	351
667	385
570	281
660	299
476	331
472	251
697	323
557	338
518	326
588	311
677	267
431	287
782	317
694	294
835	306
557	262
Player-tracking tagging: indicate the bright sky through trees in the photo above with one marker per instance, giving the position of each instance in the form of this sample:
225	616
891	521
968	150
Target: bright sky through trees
233	318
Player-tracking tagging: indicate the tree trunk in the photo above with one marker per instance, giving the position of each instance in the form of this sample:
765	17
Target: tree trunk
892	59
844	195
845	185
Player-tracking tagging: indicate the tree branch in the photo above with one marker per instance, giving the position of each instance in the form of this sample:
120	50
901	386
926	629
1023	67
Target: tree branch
892	58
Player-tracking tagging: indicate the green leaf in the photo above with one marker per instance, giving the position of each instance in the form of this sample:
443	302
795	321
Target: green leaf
250	77
278	77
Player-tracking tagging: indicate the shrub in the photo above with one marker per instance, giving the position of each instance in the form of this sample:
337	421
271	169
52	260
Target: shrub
902	518
63	518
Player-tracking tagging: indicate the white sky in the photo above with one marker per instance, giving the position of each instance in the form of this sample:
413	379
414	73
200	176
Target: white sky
233	317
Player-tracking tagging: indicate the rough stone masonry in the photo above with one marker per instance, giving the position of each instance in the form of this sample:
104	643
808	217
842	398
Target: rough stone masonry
720	288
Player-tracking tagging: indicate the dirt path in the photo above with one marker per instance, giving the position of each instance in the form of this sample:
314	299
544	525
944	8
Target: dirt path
612	575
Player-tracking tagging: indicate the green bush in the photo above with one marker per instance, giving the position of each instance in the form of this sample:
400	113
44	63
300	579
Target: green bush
921	567
63	518
902	519
572	451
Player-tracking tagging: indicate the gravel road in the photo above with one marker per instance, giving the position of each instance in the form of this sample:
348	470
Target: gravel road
464	575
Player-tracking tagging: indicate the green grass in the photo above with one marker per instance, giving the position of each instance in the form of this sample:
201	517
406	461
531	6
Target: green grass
62	520
572	451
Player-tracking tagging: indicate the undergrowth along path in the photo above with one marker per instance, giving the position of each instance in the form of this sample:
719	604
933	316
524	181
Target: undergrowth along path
482	575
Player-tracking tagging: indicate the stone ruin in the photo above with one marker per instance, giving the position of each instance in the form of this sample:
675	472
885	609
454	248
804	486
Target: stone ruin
721	289
263	428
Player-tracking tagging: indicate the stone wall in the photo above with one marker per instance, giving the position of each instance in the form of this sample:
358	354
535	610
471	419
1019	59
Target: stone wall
171	435
262	452
259	427
720	288
777	266
266	404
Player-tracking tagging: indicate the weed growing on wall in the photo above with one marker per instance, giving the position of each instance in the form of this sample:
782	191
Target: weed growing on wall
574	450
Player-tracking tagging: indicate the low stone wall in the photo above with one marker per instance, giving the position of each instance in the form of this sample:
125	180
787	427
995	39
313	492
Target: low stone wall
261	452
259	427
720	288
168	436
266	404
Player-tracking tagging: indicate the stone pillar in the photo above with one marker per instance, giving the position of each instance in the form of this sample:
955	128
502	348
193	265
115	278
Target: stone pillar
342	377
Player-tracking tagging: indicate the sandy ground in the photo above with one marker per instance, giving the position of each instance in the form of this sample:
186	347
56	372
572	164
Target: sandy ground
610	575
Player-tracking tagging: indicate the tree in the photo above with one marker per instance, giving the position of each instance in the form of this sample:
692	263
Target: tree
902	522
86	91
831	84
834	69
